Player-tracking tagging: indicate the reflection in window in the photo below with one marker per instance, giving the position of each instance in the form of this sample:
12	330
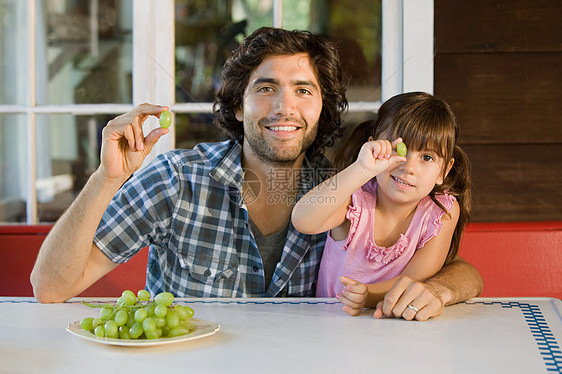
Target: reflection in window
206	32
195	128
84	54
13	44
357	28
13	163
67	156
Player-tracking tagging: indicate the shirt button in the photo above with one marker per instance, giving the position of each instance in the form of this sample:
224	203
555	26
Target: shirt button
207	272
255	269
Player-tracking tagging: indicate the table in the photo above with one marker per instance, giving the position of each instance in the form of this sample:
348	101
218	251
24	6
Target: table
483	335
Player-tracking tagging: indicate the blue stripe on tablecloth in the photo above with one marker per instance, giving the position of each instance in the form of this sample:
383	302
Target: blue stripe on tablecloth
545	340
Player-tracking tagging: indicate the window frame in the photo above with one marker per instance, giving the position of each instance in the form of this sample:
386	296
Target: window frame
407	65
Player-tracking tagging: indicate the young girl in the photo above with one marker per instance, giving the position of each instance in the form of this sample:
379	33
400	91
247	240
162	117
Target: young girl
390	215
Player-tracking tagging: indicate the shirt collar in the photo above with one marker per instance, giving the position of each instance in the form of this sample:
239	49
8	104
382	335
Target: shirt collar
229	171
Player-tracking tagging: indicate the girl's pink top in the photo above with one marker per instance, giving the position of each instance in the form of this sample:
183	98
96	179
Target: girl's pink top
360	258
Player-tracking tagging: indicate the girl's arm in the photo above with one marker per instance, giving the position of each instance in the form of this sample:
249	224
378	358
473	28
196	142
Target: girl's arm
325	206
425	263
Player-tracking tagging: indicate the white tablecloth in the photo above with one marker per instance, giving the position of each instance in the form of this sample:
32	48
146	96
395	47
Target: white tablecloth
296	336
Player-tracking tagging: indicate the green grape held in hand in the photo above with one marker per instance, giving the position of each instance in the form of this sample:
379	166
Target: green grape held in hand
165	119
401	149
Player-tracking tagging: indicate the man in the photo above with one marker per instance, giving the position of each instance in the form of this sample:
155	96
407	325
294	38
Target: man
217	218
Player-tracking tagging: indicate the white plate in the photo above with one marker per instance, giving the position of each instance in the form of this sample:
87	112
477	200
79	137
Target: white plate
204	328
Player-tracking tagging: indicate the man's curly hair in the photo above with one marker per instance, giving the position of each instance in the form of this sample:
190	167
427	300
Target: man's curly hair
268	41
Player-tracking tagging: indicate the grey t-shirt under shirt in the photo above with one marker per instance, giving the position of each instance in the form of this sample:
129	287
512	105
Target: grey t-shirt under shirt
270	248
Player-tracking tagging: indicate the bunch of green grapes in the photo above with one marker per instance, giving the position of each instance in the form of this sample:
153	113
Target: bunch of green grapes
140	317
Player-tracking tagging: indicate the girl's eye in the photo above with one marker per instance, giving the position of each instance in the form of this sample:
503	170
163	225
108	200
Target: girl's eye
427	158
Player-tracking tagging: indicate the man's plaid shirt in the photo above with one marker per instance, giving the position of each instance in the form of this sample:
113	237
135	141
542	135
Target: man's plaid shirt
187	205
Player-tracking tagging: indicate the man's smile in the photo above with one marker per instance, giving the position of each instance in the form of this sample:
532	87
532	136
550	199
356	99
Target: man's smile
282	128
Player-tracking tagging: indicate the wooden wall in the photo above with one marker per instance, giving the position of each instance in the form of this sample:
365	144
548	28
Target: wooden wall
499	65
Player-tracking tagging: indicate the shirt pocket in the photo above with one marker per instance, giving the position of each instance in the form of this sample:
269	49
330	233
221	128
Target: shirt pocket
215	267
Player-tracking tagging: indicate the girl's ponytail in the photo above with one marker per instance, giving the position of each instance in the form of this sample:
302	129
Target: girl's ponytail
458	184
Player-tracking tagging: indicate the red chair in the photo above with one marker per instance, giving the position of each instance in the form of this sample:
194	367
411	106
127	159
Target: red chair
19	246
516	258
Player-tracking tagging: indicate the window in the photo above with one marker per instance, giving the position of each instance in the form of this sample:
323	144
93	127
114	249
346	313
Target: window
75	64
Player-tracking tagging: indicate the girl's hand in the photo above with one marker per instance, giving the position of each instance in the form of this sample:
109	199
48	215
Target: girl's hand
376	156
353	296
124	146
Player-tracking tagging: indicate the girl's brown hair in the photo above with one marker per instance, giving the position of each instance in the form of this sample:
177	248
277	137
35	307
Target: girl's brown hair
424	122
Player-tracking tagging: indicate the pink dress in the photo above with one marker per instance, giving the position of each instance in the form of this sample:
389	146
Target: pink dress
359	258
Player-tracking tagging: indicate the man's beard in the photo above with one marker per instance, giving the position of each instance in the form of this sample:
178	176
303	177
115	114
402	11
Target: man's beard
283	157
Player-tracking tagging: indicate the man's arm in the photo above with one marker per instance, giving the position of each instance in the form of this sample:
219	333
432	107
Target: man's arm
457	281
68	261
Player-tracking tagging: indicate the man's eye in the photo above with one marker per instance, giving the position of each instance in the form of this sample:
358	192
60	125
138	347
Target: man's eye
265	89
304	91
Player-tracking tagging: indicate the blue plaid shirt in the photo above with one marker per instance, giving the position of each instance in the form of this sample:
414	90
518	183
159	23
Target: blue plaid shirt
187	205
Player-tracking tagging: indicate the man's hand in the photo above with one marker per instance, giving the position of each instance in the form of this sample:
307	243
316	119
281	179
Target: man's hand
411	299
124	146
